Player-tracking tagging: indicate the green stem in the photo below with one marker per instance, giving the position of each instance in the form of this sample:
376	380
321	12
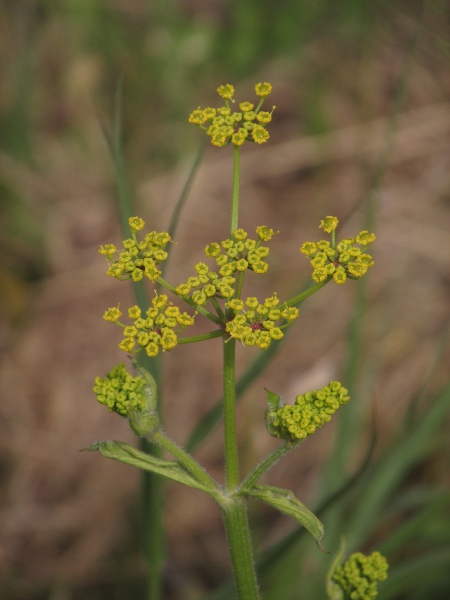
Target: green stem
185	459
240	281
201	338
216	305
165	284
308	292
235	194
266	464
182	200
238	537
229	396
234	511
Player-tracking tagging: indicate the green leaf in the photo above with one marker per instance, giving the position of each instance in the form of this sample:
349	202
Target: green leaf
288	504
334	591
275	401
129	455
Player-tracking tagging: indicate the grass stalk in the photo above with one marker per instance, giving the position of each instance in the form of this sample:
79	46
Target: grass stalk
152	534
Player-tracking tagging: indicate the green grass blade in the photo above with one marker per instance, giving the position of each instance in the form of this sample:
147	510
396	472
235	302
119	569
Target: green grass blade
410	533
173	225
153	536
392	468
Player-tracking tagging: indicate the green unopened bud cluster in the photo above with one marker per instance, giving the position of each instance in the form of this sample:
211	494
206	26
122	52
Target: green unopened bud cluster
310	412
156	330
254	323
233	256
137	258
345	259
358	577
120	391
224	126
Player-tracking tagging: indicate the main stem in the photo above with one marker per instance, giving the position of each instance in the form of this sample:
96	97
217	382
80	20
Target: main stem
238	538
229	396
234	511
235	192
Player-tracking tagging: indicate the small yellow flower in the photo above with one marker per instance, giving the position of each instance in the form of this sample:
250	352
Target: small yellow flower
264	117
127	344
319	275
265	233
241	264
130	331
246	106
226	91
224	111
260	134
308	248
112	314
250	115
185	320
115	270
276	333
172	311
235	305
134	312
237	140
357	269
251	302
329	224
263	89
137	275
199	297
260	267
364	238
209	113
107	249
168	339
198	117
218	139
290	313
183	289
152	349
160	301
136	223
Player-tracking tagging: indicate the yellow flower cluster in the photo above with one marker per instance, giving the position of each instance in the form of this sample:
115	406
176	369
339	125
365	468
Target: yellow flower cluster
206	284
120	391
158	329
137	259
254	323
358	577
224	126
340	261
240	253
310	411
235	254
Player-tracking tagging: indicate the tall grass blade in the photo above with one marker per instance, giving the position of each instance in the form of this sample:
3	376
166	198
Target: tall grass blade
392	468
175	218
153	537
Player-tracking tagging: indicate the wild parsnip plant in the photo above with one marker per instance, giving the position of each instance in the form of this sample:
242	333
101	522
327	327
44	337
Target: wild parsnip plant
213	291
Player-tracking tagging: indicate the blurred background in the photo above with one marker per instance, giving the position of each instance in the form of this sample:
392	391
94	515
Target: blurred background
361	130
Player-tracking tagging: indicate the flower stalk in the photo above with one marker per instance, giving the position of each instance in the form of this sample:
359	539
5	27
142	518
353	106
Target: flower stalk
216	294
236	186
